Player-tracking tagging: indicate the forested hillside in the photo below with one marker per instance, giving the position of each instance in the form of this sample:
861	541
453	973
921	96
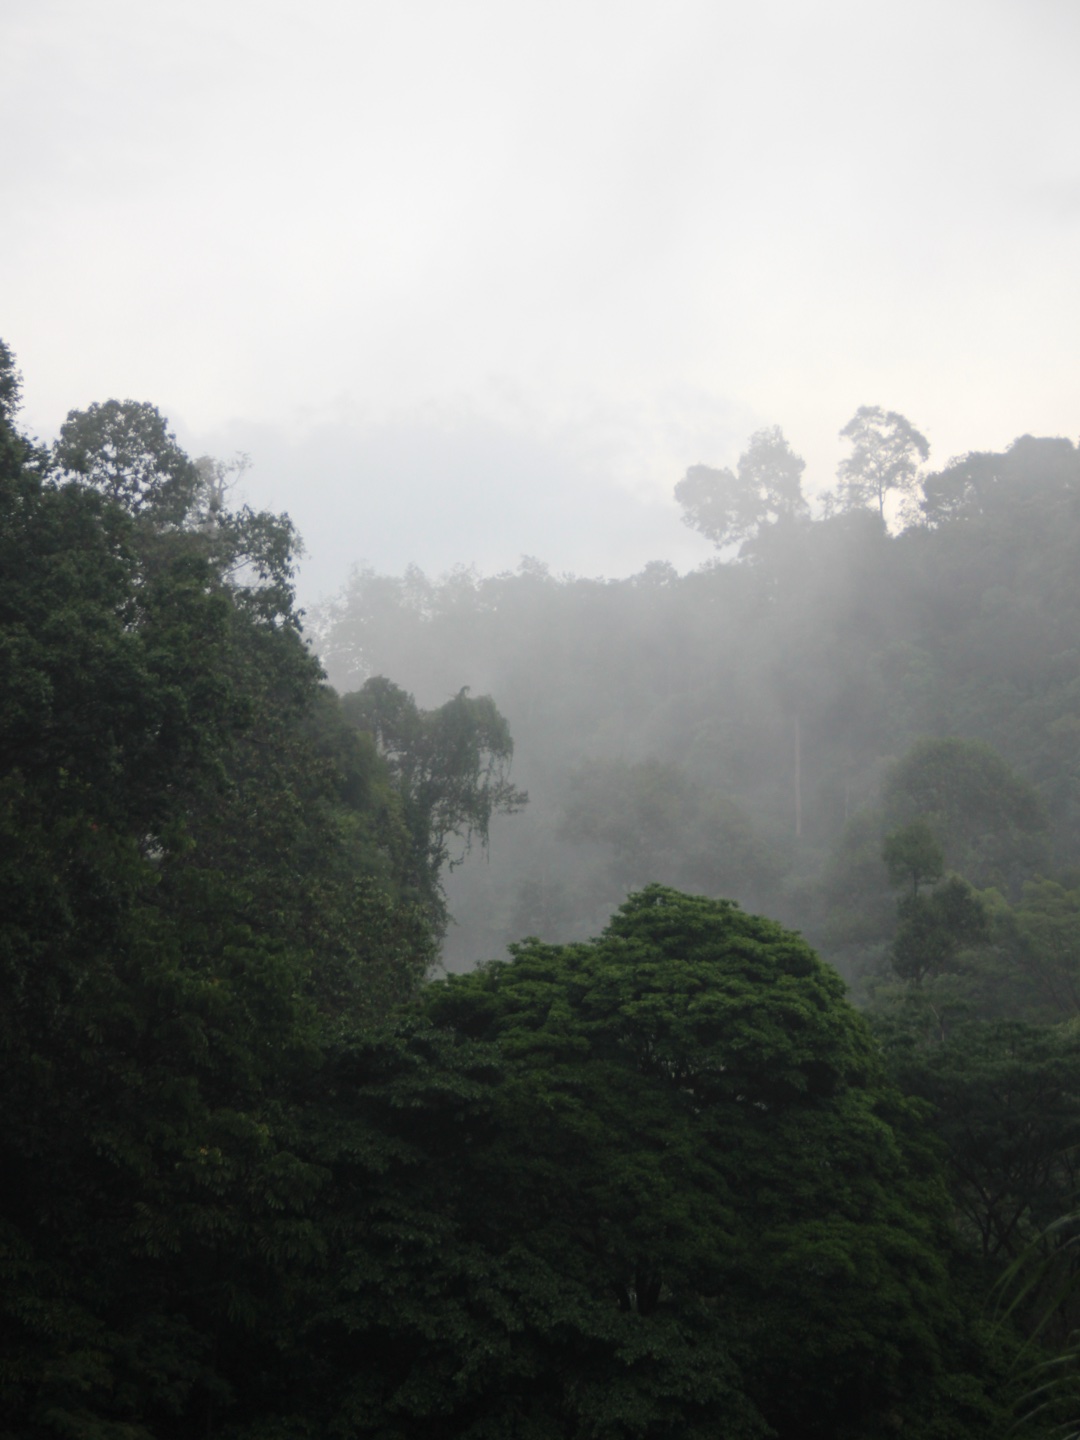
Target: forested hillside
754	728
653	1176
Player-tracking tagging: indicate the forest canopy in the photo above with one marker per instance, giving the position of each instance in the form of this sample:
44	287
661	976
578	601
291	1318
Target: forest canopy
652	1176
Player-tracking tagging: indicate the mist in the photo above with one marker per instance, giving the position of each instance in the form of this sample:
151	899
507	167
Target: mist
539	742
533	260
448	486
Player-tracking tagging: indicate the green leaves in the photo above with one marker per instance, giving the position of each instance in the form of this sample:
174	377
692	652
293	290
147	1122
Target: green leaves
989	821
125	450
1006	1102
692	1124
451	770
203	891
936	928
913	856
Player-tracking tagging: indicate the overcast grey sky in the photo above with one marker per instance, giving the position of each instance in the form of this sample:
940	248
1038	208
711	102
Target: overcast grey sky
471	279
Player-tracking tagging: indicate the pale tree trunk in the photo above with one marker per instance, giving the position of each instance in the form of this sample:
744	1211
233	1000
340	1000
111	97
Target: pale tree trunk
798	779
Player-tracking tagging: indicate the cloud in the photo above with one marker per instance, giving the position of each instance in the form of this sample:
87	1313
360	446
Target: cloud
445	486
657	226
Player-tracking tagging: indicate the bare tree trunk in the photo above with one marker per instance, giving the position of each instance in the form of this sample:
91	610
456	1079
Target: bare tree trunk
798	780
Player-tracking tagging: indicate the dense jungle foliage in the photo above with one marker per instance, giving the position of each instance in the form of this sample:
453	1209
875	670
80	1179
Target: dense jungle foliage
651	1176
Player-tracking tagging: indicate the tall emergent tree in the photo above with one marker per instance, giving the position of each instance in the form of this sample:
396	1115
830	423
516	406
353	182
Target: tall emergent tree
451	768
729	507
125	449
886	450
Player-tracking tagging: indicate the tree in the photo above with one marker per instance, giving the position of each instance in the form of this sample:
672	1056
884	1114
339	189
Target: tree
1033	472
124	449
10	387
451	767
885	453
729	507
1038	940
126	452
1006	1100
17	454
988	820
197	857
936	928
913	856
720	1215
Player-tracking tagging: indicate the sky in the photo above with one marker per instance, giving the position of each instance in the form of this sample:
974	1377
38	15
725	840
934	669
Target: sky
472	280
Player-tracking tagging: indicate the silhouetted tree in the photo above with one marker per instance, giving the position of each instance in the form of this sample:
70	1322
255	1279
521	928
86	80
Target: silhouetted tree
885	453
729	507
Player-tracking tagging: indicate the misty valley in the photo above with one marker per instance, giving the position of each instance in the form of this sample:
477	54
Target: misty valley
527	1005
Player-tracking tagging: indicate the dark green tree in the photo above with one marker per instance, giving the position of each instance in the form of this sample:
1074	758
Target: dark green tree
1006	1098
124	449
200	895
989	820
720	1216
913	857
1037	941
451	768
15	450
937	928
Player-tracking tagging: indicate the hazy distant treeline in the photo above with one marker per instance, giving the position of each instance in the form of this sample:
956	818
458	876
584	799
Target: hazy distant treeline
730	730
